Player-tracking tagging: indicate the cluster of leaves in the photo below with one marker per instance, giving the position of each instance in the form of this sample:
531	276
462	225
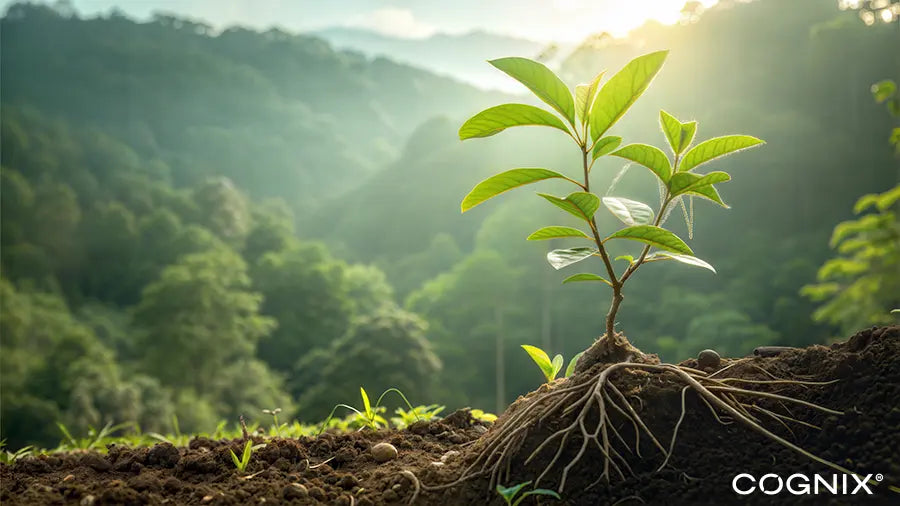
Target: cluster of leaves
586	117
860	287
550	368
885	92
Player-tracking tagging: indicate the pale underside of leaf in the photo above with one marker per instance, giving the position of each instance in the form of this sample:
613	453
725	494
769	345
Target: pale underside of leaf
496	119
560	258
505	181
654	236
685	259
630	212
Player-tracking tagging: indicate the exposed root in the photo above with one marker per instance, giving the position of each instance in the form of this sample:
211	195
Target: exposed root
418	485
593	401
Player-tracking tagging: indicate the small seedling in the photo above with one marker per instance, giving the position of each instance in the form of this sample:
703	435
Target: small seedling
369	414
550	368
241	463
406	418
482	416
509	493
9	458
274	413
96	439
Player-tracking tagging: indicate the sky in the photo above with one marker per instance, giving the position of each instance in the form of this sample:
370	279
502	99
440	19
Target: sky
542	20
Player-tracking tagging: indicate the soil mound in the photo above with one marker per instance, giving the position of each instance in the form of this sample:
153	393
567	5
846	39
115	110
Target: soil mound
339	469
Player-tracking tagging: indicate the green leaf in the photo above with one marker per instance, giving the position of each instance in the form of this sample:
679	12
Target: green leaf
580	204
622	90
883	90
505	181
606	146
585	276
685	259
541	81
628	258
556	232
366	404
649	156
680	135
716	147
560	258
234	458
631	212
572	363
654	236
540	358
556	364
584	97
509	492
683	182
541	491
496	119
698	184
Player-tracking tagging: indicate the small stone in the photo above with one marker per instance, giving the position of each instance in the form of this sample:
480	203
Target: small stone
96	462
708	359
294	491
347	482
87	500
449	455
207	498
384	452
69	477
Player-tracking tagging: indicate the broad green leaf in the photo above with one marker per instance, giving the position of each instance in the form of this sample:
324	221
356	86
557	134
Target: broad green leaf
621	91
496	119
649	156
716	147
698	184
671	127
685	259
654	236
505	181
557	364
688	131
585	276
631	212
540	358
584	97
560	258
572	363
580	204
366	404
683	182
541	81
556	232
680	135
606	146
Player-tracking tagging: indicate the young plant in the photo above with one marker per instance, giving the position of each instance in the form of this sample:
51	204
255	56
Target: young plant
405	418
369	414
9	458
275	425
509	493
241	463
550	368
587	118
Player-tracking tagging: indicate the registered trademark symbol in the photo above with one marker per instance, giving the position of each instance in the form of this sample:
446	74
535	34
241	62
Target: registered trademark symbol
879	477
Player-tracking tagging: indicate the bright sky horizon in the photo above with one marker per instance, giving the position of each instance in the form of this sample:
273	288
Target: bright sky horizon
541	20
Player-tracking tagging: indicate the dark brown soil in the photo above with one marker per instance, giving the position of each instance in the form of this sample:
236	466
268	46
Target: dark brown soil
707	456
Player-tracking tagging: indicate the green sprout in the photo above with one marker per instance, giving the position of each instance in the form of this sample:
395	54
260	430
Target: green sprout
7	457
369	414
405	418
95	440
274	413
550	368
509	493
241	463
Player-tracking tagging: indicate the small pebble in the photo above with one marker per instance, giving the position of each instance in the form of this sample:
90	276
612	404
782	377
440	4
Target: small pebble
449	455
294	491
708	359
69	477
384	452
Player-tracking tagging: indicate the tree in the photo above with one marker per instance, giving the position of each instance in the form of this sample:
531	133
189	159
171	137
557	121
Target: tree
198	317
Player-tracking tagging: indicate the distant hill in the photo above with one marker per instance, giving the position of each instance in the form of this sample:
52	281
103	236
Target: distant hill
281	114
462	56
